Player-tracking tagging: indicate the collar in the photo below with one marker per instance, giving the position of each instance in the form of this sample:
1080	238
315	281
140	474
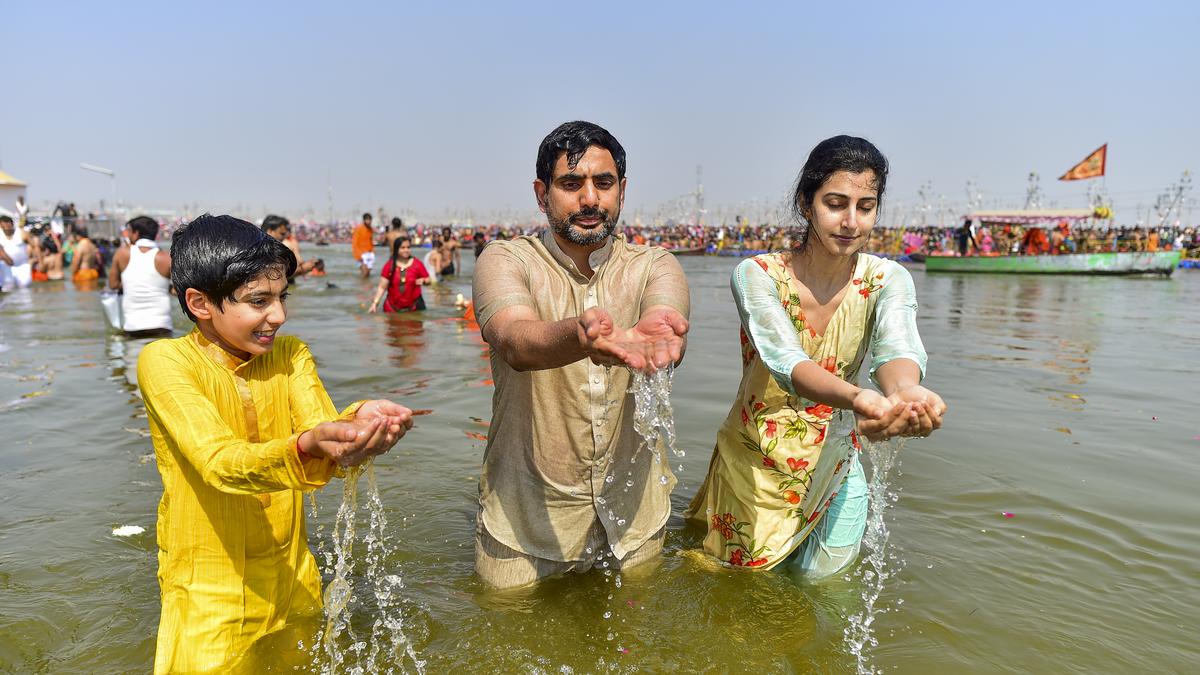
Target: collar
596	258
148	243
214	352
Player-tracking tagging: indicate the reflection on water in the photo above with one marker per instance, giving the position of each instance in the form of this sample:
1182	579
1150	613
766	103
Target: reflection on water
1093	572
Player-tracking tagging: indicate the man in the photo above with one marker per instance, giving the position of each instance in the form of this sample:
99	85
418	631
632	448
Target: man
480	240
15	270
22	212
564	483
280	229
85	263
451	255
142	272
362	244
965	234
393	234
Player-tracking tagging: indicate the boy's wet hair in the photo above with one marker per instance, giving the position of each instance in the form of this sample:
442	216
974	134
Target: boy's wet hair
217	255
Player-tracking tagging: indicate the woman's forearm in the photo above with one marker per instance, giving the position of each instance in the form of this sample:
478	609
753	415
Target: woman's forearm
813	382
897	374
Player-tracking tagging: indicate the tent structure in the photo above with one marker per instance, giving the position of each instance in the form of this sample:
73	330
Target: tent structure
1035	216
10	189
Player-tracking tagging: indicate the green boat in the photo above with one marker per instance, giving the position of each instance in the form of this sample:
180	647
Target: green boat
1158	262
1132	262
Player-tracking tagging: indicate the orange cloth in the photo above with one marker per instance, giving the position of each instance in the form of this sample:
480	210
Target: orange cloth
86	275
39	275
363	241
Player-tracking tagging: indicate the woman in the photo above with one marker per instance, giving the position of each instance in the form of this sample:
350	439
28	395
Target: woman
785	484
402	279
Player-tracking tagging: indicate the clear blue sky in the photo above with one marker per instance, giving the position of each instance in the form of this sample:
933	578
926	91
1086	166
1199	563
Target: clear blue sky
420	107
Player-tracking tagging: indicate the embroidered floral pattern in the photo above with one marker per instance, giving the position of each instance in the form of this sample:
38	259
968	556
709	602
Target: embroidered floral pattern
868	285
744	552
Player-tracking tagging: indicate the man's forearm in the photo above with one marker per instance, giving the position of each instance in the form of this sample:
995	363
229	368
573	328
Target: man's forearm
539	345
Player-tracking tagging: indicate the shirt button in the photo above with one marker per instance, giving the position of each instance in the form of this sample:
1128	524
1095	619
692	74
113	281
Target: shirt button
596	380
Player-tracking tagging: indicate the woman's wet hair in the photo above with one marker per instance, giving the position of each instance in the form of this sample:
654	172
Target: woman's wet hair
217	255
143	227
396	244
574	138
840	153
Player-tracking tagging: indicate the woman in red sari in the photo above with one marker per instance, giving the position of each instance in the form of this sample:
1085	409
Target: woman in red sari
402	278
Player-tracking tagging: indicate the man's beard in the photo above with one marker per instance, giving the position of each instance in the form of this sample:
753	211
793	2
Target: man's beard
565	228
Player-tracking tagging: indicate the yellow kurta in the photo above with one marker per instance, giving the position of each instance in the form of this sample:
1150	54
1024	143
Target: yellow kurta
780	459
233	559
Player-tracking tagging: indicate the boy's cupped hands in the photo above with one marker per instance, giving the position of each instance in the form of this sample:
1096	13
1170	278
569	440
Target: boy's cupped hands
373	431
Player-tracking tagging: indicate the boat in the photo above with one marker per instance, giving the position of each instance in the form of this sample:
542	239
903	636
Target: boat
688	250
1130	262
1116	262
1190	263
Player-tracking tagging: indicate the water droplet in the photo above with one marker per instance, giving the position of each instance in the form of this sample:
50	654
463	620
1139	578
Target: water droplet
663	480
608	479
608	614
620	521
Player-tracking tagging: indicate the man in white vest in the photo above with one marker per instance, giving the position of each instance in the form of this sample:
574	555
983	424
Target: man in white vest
142	272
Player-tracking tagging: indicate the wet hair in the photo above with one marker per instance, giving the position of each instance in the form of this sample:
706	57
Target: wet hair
81	232
367	216
840	153
217	255
574	138
274	222
397	223
6	219
143	227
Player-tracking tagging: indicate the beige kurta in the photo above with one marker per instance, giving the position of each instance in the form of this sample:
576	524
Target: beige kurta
558	434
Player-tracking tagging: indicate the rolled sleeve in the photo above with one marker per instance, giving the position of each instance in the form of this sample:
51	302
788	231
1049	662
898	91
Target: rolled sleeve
501	280
767	323
895	333
667	285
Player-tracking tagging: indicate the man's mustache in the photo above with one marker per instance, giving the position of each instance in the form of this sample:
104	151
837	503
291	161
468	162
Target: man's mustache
589	213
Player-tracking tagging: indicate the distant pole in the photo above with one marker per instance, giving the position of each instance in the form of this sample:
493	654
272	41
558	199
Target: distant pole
113	175
699	195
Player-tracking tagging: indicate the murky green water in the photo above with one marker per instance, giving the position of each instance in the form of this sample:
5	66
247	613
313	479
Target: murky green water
1073	406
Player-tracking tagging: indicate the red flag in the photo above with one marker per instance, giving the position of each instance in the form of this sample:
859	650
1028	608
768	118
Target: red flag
1089	168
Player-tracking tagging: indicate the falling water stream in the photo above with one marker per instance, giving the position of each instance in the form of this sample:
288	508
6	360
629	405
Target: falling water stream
339	647
878	565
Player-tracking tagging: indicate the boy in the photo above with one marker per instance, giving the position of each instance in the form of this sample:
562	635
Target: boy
241	426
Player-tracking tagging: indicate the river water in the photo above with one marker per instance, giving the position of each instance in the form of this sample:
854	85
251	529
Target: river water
1073	407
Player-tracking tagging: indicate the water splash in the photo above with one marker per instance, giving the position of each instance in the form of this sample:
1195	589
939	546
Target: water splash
878	566
653	416
338	648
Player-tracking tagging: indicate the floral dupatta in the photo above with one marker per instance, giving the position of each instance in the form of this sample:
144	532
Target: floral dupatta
780	459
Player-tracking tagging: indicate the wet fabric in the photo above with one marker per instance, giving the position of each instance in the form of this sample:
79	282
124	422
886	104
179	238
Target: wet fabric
835	541
233	560
556	434
780	460
404	292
